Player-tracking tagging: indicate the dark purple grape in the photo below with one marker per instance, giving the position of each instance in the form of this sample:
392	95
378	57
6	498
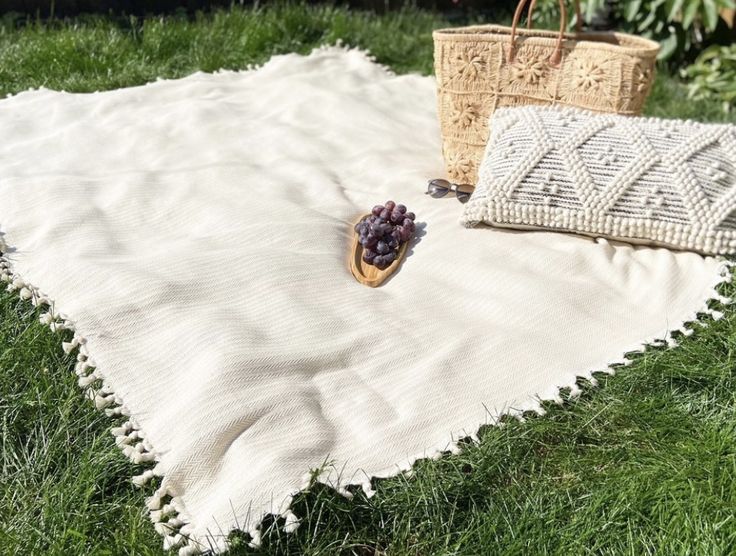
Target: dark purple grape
383	231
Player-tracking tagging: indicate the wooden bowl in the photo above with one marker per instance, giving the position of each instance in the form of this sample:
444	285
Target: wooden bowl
368	274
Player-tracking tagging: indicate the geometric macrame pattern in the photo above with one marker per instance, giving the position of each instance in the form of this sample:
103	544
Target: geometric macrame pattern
642	180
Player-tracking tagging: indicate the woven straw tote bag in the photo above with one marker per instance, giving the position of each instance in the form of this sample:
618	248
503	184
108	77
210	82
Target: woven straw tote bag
484	67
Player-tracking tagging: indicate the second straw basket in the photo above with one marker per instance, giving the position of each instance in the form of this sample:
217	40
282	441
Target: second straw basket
484	67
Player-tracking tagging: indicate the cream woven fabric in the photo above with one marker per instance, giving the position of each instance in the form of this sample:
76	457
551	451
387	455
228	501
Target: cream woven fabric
194	235
646	180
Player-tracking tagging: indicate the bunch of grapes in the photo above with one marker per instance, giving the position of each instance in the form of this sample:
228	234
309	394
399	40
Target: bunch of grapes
383	232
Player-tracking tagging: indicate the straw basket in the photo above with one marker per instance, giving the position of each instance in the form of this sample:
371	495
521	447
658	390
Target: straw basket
485	67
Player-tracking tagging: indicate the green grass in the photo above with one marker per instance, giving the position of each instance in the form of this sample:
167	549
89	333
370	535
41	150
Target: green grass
645	464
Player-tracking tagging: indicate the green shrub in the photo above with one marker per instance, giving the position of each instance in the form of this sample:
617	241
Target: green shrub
713	76
682	27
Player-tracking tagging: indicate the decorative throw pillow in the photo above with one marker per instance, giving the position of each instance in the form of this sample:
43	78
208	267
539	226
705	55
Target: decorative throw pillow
641	180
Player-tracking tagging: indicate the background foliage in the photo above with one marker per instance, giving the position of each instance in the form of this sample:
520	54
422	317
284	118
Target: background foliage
682	27
713	76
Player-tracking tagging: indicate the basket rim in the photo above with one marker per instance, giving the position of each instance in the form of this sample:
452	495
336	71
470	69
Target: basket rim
589	40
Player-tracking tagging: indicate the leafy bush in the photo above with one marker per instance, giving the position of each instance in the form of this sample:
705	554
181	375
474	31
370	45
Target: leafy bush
713	76
682	27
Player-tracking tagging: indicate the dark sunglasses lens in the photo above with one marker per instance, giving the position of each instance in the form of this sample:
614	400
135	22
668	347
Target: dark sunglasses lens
437	191
438	188
463	192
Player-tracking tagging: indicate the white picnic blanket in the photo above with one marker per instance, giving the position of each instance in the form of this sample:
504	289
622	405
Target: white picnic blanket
195	234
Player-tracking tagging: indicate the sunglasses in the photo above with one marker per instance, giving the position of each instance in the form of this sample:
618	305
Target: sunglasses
439	188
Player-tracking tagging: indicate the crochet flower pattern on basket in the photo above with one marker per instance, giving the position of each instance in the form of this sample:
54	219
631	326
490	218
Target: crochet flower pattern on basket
492	66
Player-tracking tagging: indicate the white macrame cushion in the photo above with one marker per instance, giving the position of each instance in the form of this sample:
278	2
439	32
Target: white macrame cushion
641	180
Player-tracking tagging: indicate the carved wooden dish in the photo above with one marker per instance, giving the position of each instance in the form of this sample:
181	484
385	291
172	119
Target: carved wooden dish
367	274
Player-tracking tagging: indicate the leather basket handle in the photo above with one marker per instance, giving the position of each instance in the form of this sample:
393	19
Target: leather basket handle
556	56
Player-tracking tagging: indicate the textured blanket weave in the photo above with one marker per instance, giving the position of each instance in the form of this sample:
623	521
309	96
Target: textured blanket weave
194	234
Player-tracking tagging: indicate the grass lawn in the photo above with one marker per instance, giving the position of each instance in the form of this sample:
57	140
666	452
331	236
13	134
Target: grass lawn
644	464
